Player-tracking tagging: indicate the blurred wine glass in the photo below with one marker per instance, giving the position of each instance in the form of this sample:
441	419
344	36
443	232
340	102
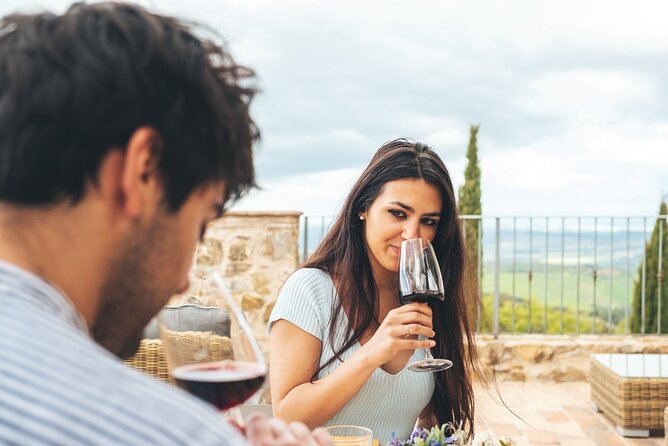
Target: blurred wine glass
348	435
211	351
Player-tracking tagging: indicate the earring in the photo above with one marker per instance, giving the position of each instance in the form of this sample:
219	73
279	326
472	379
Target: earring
362	217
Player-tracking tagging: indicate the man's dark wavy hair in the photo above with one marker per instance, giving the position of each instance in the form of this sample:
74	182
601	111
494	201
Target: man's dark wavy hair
75	86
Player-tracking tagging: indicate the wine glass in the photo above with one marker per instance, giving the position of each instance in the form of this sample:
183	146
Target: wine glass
348	435
211	351
420	281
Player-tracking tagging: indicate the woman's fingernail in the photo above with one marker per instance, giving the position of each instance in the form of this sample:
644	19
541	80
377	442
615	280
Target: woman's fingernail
432	343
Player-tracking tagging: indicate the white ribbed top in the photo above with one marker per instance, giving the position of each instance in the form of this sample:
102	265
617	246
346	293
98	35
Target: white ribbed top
387	403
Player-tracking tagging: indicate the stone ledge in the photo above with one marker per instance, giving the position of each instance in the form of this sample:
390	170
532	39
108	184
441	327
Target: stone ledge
263	213
555	357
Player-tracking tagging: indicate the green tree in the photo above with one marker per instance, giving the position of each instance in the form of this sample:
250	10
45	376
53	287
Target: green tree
469	204
469	197
653	281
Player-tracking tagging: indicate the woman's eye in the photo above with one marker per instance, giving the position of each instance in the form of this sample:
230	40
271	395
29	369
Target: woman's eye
429	221
397	214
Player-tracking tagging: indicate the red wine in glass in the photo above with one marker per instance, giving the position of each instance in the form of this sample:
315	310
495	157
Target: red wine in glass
427	297
224	384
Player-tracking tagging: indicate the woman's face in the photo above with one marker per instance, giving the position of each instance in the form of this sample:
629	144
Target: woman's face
405	209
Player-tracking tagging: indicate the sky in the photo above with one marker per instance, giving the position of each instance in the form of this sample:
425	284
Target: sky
571	96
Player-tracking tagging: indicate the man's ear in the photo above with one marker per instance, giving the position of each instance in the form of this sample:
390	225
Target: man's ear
140	185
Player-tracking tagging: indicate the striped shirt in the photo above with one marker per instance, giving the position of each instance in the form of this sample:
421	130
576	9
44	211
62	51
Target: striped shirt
58	387
386	403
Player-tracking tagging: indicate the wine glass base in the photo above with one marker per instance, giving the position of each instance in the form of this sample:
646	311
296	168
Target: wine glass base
430	365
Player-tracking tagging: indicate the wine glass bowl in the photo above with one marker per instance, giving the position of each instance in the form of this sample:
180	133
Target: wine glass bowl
348	435
211	351
420	281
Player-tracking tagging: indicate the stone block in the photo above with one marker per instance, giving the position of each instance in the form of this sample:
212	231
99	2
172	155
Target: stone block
237	268
260	283
237	253
267	312
251	302
210	252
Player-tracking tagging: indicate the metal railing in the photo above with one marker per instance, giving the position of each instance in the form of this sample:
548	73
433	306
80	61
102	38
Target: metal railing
559	275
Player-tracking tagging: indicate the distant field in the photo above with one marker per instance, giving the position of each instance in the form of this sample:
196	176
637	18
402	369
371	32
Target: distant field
609	287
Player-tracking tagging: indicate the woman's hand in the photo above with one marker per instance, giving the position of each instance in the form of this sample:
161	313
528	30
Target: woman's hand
399	331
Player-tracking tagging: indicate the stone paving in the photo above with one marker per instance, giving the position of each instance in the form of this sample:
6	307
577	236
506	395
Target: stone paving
548	413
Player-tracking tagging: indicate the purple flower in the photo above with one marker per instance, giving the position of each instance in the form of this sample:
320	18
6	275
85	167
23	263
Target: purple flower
450	440
395	441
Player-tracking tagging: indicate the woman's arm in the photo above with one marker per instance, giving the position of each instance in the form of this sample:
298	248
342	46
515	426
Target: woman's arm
295	357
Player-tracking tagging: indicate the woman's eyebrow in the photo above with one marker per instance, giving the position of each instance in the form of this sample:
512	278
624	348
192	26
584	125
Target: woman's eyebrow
410	209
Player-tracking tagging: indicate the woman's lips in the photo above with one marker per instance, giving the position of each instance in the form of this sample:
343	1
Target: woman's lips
395	250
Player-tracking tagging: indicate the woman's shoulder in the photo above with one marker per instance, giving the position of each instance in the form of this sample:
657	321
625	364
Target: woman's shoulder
310	284
310	277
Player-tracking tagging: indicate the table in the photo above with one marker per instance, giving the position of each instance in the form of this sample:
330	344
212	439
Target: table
632	390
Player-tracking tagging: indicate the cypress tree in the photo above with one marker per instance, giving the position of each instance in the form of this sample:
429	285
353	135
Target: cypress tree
469	204
654	283
469	197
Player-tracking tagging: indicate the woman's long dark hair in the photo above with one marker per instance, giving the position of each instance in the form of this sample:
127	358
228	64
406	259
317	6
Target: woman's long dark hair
342	253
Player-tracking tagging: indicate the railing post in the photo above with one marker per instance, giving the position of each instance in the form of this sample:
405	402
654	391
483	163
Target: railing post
497	271
305	247
561	289
530	272
512	302
480	290
659	277
627	325
577	293
612	244
644	274
594	276
546	273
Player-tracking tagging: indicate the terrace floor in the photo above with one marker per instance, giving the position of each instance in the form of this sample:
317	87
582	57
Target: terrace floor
551	414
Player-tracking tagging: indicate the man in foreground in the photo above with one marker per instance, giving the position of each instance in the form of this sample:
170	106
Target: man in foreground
122	134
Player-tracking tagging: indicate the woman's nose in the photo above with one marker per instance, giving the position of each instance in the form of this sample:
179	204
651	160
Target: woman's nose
411	230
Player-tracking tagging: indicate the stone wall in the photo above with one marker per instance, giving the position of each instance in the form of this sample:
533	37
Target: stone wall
555	358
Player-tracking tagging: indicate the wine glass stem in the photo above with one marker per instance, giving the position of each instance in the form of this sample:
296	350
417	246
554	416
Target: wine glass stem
233	414
427	351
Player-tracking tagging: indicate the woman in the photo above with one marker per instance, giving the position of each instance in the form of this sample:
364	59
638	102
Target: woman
339	338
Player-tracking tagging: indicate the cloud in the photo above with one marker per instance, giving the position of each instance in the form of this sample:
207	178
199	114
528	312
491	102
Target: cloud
588	95
571	96
588	170
319	193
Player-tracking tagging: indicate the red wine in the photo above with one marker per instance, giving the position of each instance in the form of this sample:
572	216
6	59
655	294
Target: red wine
428	297
223	384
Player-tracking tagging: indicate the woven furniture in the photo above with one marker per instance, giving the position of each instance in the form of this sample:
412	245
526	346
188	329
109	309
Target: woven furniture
188	347
632	390
665	423
151	358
